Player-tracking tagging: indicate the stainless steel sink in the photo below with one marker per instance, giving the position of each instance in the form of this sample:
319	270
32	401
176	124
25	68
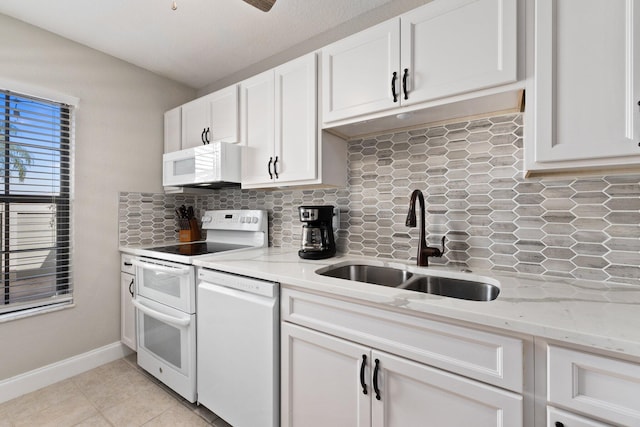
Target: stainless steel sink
385	276
454	288
402	279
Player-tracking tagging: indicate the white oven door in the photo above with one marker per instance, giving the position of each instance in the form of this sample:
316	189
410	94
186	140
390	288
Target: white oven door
169	283
167	345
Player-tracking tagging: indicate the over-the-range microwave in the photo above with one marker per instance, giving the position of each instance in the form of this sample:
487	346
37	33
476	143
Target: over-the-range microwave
212	165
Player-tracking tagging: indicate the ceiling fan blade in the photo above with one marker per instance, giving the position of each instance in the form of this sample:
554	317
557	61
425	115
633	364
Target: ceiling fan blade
263	5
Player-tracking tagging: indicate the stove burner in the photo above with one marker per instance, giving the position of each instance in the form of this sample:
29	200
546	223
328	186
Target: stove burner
197	248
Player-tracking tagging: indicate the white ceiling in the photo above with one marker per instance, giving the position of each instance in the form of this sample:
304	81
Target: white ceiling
201	42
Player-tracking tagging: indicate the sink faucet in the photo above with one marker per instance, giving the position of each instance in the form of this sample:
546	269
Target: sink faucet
424	251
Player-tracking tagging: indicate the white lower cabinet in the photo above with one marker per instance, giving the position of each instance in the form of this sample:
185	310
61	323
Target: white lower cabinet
347	364
127	310
331	381
597	386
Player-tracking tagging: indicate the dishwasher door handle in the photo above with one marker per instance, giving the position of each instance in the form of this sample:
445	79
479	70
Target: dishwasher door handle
176	321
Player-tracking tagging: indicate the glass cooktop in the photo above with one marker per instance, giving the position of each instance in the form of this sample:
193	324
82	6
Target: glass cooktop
197	248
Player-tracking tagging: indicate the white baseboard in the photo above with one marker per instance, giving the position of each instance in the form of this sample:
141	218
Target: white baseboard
50	374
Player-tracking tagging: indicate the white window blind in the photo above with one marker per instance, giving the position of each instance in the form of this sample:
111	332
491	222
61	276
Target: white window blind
35	208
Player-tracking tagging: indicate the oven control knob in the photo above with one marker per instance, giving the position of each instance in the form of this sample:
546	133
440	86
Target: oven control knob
206	219
254	220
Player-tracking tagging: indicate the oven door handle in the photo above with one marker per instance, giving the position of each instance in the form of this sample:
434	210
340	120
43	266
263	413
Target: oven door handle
181	271
176	321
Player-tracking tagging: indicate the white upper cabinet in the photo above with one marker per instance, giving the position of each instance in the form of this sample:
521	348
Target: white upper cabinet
585	87
257	128
442	49
456	46
283	145
211	118
358	72
173	130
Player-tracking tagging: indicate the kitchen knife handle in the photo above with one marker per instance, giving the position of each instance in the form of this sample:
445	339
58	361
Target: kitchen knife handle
404	83
269	167
393	86
202	136
275	167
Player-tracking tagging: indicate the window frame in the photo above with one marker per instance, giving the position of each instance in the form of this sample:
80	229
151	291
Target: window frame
62	294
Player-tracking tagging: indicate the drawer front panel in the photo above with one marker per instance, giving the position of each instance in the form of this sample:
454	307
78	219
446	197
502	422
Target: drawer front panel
568	419
480	355
596	385
125	264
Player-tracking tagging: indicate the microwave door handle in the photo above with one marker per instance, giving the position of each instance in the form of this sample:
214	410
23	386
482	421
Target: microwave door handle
160	268
176	321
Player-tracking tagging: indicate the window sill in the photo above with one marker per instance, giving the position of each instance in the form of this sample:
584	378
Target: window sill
9	317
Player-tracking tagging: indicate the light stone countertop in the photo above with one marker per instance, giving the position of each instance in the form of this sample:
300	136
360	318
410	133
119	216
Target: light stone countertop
592	314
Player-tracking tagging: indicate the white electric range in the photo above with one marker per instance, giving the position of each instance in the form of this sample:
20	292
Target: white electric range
166	294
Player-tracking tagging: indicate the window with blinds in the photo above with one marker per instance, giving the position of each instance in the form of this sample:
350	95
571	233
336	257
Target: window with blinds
35	196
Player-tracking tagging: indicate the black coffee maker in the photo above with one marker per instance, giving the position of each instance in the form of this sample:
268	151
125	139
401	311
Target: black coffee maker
317	232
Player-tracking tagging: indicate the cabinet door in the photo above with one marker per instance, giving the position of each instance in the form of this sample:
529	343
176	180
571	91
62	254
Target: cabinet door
196	119
127	310
296	115
457	46
587	84
412	394
257	128
224	115
358	72
172	130
321	380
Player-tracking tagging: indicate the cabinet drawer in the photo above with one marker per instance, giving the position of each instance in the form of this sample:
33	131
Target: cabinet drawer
567	419
125	264
596	385
480	355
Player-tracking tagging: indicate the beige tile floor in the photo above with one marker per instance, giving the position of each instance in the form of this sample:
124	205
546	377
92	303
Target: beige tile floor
116	394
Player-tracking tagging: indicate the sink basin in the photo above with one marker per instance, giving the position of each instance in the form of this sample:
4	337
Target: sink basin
471	290
454	288
385	276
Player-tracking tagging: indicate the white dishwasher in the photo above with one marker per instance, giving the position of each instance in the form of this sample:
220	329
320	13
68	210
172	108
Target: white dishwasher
238	348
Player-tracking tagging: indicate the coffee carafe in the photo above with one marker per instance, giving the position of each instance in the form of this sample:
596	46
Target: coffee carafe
317	232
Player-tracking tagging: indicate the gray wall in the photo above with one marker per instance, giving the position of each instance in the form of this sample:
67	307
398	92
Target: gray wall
118	146
471	176
387	11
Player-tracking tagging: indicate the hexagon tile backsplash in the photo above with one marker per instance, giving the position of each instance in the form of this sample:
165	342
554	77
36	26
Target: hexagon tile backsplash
471	176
